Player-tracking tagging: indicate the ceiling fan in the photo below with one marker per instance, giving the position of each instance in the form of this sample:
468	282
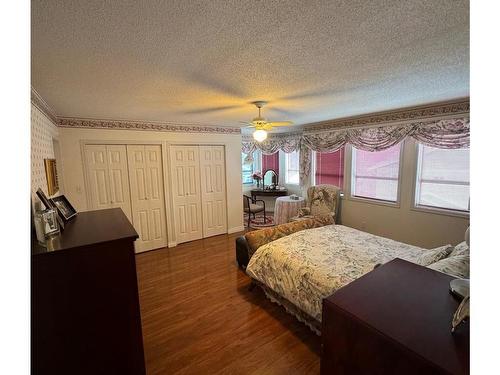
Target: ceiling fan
261	125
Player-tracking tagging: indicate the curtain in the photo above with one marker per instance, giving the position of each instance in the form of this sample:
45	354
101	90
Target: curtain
330	168
439	133
447	134
273	144
271	162
304	167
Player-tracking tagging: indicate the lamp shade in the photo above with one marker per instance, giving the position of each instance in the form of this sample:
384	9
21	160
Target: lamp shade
259	135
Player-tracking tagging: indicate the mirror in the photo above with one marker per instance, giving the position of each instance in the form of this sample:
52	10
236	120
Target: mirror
270	179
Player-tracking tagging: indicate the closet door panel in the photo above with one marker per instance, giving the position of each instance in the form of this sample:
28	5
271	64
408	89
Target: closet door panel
97	169
212	165
146	190
186	196
119	178
157	222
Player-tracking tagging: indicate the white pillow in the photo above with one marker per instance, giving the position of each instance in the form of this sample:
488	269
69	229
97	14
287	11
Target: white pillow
457	266
461	249
433	255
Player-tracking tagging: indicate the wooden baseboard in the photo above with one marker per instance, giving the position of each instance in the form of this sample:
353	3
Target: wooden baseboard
236	229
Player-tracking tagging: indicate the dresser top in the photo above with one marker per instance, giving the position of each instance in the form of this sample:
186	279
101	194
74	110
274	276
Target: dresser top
89	228
412	306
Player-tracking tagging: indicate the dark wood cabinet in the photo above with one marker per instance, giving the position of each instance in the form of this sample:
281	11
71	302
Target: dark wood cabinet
394	320
85	303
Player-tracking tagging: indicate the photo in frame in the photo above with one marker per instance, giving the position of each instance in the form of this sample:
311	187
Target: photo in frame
64	208
48	204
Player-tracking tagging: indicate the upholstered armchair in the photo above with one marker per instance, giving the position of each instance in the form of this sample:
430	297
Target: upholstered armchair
321	200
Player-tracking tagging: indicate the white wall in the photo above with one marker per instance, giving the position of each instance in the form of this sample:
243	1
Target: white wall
43	133
425	229
71	141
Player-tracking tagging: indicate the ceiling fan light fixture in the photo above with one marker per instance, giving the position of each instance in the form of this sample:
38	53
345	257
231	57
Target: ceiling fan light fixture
259	135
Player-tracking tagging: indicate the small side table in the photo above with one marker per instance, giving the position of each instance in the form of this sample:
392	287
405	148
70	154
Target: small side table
286	208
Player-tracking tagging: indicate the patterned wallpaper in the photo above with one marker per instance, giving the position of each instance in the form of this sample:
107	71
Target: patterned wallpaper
42	132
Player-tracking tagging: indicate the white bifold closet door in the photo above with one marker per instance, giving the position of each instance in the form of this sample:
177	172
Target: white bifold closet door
186	194
146	191
198	191
213	190
108	177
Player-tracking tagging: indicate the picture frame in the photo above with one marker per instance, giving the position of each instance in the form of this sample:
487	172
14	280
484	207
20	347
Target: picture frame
64	208
51	175
43	198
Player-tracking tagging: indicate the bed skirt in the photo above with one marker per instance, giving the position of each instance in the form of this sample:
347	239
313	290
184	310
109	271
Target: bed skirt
290	308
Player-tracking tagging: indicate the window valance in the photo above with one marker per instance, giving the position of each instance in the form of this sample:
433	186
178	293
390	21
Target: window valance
444	133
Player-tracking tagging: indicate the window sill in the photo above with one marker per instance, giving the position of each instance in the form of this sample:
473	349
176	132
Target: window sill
441	211
377	202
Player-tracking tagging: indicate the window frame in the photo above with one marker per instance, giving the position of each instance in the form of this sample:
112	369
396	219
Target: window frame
430	209
286	169
257	162
349	179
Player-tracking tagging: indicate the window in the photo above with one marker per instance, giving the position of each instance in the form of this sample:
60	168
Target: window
292	168
442	178
375	175
271	162
329	168
247	169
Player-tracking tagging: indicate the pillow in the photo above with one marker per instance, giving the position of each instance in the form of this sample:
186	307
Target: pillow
457	266
433	255
461	249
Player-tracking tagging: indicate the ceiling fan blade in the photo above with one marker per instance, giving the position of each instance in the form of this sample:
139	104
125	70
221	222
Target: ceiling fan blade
250	126
216	85
209	110
310	94
281	123
284	112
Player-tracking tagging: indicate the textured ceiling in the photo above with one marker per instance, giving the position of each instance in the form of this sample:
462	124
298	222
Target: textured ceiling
204	61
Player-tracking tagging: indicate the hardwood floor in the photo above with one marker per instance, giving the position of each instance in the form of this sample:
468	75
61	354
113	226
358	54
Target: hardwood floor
198	316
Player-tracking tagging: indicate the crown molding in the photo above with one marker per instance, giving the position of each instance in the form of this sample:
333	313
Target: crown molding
42	105
441	110
88	123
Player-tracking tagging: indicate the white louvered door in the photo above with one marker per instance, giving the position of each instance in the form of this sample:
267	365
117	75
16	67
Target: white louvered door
213	190
146	191
97	171
186	195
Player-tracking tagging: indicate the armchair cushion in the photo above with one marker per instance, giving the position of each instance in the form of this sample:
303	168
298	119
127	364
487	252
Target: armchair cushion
322	199
254	208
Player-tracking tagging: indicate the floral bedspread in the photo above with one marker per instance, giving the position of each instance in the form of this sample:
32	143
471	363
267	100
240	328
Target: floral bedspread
307	266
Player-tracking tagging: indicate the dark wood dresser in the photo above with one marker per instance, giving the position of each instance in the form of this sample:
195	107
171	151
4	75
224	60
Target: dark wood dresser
85	316
394	320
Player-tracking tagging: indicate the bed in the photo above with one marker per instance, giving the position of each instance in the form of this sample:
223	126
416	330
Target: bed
298	270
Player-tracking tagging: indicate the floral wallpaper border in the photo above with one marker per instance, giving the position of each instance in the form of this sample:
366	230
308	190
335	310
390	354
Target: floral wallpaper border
66	122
